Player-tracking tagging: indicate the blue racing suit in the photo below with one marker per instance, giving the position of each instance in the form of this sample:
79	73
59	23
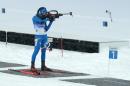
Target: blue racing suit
41	27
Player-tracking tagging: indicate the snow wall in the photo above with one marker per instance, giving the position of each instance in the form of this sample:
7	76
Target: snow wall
85	24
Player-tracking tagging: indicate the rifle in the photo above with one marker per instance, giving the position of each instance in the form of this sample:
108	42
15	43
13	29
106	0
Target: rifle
53	14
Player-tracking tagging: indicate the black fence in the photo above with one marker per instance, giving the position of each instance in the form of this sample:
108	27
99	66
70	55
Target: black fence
2	36
66	44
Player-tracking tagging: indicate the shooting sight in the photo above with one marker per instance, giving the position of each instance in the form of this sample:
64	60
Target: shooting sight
55	14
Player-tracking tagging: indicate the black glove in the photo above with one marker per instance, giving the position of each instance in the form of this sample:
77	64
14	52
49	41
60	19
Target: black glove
52	19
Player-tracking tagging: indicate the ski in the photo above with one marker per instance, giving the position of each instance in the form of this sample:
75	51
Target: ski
59	71
26	72
40	73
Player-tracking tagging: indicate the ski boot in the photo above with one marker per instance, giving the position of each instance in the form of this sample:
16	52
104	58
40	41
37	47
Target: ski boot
44	68
33	69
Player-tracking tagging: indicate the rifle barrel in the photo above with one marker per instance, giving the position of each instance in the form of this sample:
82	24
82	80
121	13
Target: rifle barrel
70	13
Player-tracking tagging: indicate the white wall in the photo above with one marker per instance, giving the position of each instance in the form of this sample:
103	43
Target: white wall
86	24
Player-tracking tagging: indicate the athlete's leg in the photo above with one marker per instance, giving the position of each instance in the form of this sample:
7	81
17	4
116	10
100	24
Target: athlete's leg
36	49
44	45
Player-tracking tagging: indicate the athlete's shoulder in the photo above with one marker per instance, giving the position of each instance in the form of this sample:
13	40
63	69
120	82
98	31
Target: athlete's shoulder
35	18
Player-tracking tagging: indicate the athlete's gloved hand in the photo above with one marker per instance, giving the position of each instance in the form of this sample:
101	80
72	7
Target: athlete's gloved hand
52	19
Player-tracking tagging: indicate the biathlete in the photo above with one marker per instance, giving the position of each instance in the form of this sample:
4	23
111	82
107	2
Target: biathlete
41	26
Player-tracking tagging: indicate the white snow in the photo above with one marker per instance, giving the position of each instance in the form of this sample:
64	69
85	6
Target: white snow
96	64
88	18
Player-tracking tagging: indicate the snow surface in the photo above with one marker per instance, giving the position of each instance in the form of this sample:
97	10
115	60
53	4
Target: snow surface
96	64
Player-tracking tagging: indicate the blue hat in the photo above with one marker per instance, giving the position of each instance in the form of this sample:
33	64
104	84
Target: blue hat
41	11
